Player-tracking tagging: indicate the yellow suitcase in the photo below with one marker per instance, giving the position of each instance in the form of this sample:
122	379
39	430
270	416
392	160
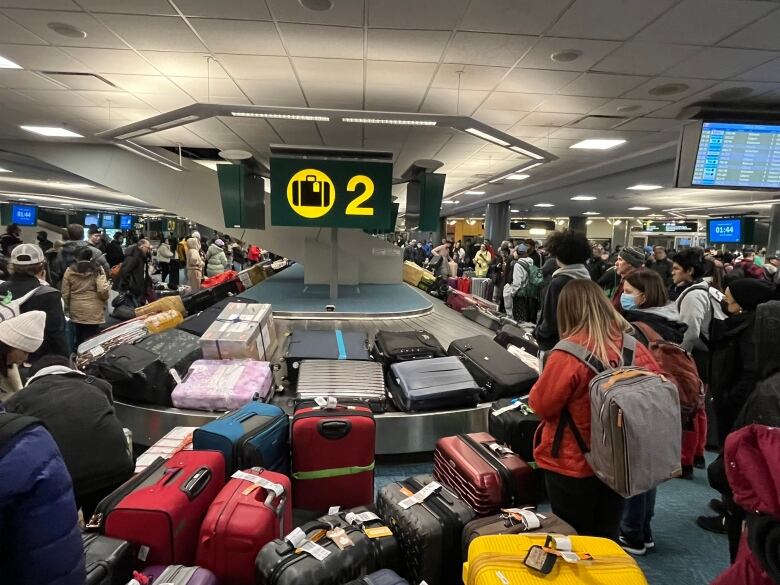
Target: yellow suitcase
498	560
172	303
412	273
159	322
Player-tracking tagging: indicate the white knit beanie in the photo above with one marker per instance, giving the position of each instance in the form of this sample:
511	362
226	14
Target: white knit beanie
24	332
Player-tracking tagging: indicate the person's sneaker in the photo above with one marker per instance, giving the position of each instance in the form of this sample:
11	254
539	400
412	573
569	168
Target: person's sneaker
687	472
717	506
649	543
699	462
634	547
716	524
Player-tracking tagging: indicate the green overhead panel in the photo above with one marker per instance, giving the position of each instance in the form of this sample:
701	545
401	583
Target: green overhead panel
243	197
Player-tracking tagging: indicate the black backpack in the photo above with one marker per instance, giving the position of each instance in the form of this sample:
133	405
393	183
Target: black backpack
11	424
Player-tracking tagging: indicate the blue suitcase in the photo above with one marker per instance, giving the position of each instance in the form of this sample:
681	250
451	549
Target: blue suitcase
255	435
324	345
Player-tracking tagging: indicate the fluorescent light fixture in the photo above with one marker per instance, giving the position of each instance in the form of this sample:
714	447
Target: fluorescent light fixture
280	116
643	187
52	131
544	205
488	137
515	210
583	198
638	208
389	121
537	231
598	143
450	202
179	122
134	134
528	168
525	152
591	213
617	222
148	154
2	170
517	177
473	192
8	64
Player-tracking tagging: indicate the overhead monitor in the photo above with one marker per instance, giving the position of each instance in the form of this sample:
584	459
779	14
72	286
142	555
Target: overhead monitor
26	215
725	230
125	222
91	219
729	155
108	221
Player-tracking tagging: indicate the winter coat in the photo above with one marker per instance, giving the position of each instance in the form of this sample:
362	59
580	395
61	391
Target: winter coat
597	267
181	251
47	300
79	413
85	295
67	256
665	321
133	274
8	242
481	263
216	261
164	253
10	383
663	268
40	541
696	308
194	261
115	254
564	384
520	271
546	332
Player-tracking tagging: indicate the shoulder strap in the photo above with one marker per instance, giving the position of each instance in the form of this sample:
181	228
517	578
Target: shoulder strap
582	354
649	333
567	421
629	349
11	424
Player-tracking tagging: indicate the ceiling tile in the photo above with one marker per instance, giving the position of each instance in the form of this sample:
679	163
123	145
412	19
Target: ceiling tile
146	7
142	83
430	15
41	58
57	97
112	61
653	124
704	22
602	85
487	49
18	79
343	13
183	64
280	92
530	17
242	37
11	32
766	72
342	135
641	58
37	21
452	102
643	107
79	82
504	100
580	133
537	80
336	72
200	88
598	122
153	33
571	104
522	131
269	69
399	73
694	86
40	4
165	102
546	119
762	34
489	116
406	45
720	63
338	42
326	95
607	19
472	76
394	98
235	9
592	53
118	99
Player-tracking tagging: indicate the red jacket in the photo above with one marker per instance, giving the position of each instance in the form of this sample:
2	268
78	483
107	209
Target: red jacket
564	384
253	253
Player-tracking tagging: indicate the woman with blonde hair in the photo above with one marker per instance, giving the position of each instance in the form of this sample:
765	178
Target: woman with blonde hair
561	398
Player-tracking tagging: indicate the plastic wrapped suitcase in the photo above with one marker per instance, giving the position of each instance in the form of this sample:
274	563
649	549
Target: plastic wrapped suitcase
514	521
223	384
198	323
163	321
487	475
178	575
324	345
162	508
499	373
126	332
513	423
345	380
252	509
109	561
332	454
172	303
766	334
520	335
255	435
529	360
436	383
427	519
489	555
482	317
427	282
381	577
401	346
459	300
175	440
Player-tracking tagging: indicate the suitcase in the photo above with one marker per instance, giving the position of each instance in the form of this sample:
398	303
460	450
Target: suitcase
464	284
480	287
250	511
109	561
251	276
207	297
504	554
459	300
161	509
482	317
513	423
163	321
520	335
427	282
525	357
255	435
173	303
382	577
126	332
223	384
179	575
345	380
514	521
429	532
324	345
198	323
437	383
499	373
766	334
412	273
332	455
175	440
452	282
400	346
453	267
486	475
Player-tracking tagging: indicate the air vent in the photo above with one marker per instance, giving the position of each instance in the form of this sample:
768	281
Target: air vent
80	81
598	122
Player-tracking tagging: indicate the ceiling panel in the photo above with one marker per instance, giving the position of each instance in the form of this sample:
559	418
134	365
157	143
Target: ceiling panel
394	98
183	64
644	58
11	32
571	104
653	124
57	97
406	45
489	116
537	80
607	19
112	61
200	88
343	12
694	86
530	17
539	57
452	102
242	37
762	34
153	33
124	7
342	135
766	72
546	119
487	49
337	42
269	69
704	22
399	73
165	102
41	58
504	100
720	63
602	85
18	79
431	14
297	132
40	4
279	92
522	131
118	99
142	83
335	72
97	34
235	9
327	95
637	107
471	76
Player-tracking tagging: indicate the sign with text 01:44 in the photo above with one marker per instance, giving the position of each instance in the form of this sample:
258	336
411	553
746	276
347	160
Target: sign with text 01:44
331	193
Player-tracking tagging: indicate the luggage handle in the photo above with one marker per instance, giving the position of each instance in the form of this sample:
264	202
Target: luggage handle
334	429
197	483
285	547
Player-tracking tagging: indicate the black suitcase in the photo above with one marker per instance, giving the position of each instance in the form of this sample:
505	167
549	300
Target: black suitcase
206	297
401	346
519	336
324	345
513	423
198	323
381	577
387	553
109	561
433	384
429	533
498	372
482	317
765	335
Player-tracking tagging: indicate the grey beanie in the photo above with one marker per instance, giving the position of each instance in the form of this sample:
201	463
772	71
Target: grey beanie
634	256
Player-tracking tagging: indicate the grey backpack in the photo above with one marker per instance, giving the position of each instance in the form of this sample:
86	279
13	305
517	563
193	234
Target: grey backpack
635	430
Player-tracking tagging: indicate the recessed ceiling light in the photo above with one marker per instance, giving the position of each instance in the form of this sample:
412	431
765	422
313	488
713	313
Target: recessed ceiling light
591	213
638	208
8	64
450	202
474	193
566	56
515	210
2	170
235	154
668	89
583	198
67	30
644	187
280	116
590	221
544	205
517	177
390	121
598	143
318	5
486	136
51	131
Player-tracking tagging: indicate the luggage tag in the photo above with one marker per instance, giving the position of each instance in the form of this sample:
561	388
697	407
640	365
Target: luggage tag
378	532
515	404
326	402
525	516
420	496
540	560
340	538
560	545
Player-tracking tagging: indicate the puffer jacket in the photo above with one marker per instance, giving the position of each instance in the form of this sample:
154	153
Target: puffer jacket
216	261
133	275
164	253
40	541
67	256
194	261
564	384
85	295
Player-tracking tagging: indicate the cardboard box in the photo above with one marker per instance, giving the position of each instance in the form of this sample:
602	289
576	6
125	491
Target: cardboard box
241	331
252	276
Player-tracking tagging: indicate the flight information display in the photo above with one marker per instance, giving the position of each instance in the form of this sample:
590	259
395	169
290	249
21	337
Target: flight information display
738	155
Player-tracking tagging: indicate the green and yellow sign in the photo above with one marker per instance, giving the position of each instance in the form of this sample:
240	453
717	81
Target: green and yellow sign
331	193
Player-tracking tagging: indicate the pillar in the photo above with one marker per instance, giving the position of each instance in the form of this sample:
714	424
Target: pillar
621	234
578	223
497	222
773	246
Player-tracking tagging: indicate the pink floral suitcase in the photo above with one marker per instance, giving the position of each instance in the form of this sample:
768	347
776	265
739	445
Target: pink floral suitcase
223	384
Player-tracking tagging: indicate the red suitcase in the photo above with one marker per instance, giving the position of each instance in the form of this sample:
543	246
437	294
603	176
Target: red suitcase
333	455
459	300
464	284
485	474
246	514
163	512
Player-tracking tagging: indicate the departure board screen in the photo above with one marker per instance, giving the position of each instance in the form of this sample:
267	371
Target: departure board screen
738	155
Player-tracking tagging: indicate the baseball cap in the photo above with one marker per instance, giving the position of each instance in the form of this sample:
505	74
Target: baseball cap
26	254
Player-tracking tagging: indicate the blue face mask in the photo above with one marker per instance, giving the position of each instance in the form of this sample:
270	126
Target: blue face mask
627	301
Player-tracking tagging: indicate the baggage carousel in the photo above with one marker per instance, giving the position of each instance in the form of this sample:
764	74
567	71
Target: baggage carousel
397	432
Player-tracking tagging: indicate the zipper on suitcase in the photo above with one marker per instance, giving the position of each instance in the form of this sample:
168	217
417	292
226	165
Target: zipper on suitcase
239	447
509	495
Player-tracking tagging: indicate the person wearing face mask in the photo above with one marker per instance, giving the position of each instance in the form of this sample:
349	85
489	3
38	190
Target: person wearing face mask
44	243
629	261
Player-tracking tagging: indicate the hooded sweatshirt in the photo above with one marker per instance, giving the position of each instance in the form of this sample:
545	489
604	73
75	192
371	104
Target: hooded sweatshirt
697	306
520	272
546	332
665	321
194	261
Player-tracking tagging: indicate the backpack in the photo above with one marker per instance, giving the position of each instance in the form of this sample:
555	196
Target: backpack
680	367
716	311
11	424
635	423
533	285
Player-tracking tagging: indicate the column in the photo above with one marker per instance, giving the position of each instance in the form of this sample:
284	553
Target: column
621	234
497	222
578	223
773	247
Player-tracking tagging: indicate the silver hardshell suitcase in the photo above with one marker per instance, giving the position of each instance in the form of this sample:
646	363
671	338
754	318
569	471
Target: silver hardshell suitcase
344	379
